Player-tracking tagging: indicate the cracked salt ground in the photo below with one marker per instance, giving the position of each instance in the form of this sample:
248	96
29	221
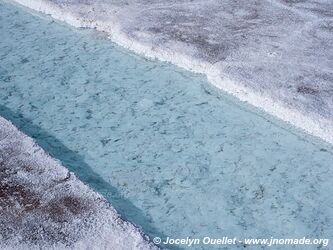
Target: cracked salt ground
169	151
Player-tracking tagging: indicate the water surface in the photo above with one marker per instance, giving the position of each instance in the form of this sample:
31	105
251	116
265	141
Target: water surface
170	152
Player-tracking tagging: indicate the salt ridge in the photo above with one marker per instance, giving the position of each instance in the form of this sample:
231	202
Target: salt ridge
42	180
313	124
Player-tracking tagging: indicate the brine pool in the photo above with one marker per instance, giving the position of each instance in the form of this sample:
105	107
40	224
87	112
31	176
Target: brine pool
171	153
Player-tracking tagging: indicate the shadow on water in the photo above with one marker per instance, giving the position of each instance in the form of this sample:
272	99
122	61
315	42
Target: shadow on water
75	163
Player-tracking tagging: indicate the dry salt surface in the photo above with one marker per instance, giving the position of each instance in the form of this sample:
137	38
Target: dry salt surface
274	54
43	205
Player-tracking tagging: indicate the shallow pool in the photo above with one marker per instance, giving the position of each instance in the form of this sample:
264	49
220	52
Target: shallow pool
171	153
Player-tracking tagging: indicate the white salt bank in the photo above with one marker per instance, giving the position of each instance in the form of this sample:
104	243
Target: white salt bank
43	205
274	54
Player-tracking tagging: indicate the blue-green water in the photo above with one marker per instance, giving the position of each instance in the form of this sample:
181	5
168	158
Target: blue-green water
170	152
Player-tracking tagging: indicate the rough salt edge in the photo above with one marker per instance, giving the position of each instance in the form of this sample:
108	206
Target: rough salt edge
108	230
311	123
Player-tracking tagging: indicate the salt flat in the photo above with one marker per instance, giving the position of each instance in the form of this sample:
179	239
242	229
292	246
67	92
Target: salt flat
170	152
44	206
274	54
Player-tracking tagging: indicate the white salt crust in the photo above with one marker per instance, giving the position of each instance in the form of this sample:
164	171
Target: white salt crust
99	228
310	122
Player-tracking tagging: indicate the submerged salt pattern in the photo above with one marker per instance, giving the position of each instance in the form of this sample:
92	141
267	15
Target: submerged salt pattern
184	159
44	206
274	54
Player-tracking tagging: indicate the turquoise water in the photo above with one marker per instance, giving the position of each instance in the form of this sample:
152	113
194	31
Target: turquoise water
170	152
